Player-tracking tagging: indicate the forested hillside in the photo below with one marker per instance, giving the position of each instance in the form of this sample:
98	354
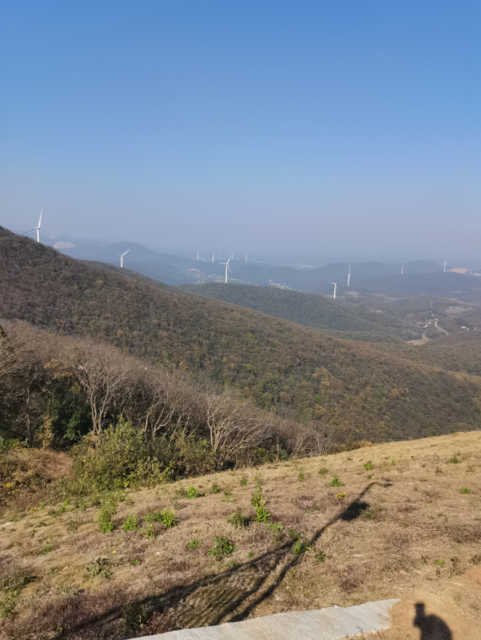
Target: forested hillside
314	311
359	390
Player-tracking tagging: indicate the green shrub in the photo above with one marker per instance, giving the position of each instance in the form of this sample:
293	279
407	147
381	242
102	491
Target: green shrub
108	508
301	476
192	493
262	515
194	544
455	459
215	488
223	547
335	482
168	518
257	500
243	482
323	471
465	491
149	532
320	557
10	589
131	524
301	546
99	567
122	458
238	519
368	466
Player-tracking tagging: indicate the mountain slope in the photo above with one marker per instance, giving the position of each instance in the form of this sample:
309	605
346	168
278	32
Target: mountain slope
316	312
361	390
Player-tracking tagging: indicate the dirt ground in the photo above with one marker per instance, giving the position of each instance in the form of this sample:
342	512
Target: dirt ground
404	521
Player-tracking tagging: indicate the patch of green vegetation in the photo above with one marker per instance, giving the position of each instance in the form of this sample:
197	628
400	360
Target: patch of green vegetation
238	519
243	482
335	482
215	488
368	466
149	532
465	491
132	523
223	547
301	546
45	550
455	459
10	589
166	516
135	561
108	508
301	475
320	557
194	544
439	563
323	471
99	567
192	493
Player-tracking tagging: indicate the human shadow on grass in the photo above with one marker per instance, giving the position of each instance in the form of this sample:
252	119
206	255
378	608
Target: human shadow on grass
218	597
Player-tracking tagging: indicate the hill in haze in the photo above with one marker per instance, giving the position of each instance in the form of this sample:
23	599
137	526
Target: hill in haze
357	389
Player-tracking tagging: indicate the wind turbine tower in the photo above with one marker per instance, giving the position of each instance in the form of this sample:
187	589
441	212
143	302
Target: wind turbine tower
227	268
335	289
349	276
197	254
246	258
37	228
445	263
212	257
122	258
402	268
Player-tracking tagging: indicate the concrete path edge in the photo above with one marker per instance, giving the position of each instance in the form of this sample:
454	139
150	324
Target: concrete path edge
332	623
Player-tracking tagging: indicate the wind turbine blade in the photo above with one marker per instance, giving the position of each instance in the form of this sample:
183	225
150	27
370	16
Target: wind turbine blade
40	219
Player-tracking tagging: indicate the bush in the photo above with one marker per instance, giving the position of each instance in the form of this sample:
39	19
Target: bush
238	519
166	516
108	508
368	466
323	471
192	493
223	547
215	488
119	457
131	524
193	544
335	482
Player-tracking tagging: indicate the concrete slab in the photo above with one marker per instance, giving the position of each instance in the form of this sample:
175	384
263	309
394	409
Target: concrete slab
333	623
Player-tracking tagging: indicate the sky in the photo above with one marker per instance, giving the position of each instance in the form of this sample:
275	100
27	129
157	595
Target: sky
346	128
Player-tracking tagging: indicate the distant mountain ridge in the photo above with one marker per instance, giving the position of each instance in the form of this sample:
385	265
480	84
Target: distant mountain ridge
357	389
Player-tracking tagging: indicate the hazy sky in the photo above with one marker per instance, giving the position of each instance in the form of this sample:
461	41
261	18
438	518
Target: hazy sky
324	126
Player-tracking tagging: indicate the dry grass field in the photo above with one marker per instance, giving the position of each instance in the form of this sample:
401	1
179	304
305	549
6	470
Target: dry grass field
406	520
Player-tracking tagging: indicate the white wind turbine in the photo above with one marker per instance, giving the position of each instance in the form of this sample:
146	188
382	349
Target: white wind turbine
335	289
227	268
212	257
37	228
122	258
349	276
445	263
402	268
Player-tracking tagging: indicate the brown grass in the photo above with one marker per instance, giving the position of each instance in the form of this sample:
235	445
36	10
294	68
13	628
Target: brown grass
406	527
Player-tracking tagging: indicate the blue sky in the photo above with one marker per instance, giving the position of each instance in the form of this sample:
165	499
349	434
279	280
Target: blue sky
320	127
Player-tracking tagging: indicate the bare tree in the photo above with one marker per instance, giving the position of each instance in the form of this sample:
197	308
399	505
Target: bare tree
233	424
103	373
